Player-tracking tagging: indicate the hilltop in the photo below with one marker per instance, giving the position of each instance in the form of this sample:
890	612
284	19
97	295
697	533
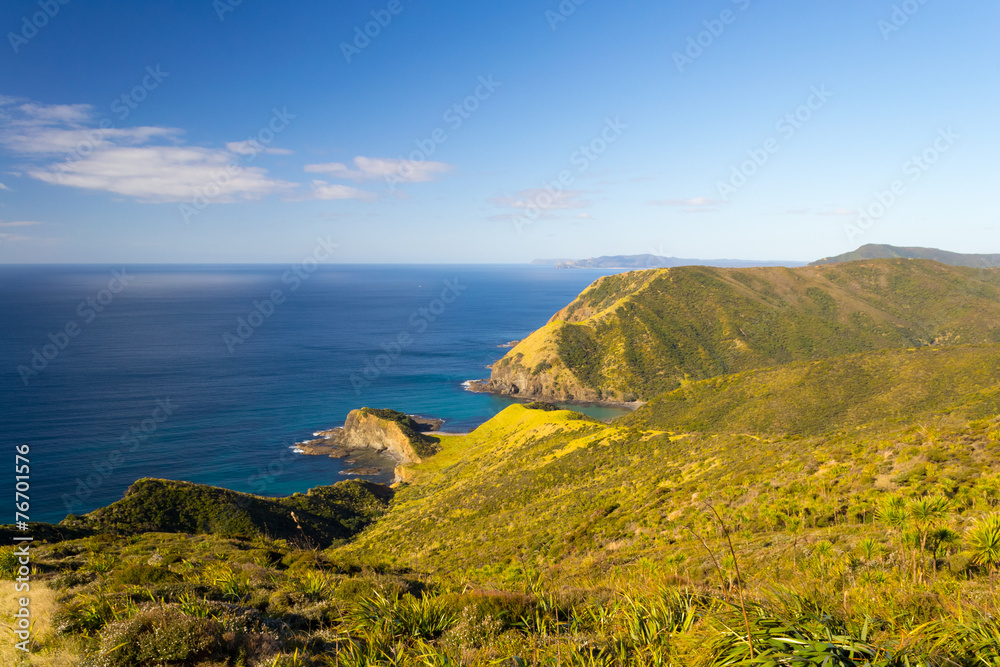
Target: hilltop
876	251
634	335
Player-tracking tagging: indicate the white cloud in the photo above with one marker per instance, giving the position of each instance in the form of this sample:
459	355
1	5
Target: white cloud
20	223
326	191
150	164
373	169
251	147
3	187
163	174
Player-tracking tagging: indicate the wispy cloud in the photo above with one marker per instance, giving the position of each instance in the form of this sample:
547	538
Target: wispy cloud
327	191
20	223
251	147
375	169
11	238
3	187
839	211
150	164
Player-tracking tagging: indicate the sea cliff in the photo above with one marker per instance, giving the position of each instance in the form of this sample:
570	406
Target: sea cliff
400	436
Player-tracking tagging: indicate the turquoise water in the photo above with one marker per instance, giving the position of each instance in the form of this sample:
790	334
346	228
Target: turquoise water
165	371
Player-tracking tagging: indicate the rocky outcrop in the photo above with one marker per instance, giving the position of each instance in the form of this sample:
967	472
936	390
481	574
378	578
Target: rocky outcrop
399	435
388	431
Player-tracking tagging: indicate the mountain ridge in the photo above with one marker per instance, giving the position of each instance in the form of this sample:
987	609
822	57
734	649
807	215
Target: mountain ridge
883	251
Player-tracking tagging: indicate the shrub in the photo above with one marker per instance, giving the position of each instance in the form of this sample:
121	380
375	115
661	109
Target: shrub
8	563
353	590
474	630
141	574
984	542
159	636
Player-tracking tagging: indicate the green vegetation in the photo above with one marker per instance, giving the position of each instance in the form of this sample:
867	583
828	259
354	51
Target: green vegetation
639	334
319	517
835	502
848	391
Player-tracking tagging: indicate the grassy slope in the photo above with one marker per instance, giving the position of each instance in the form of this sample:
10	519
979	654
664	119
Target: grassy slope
809	398
325	513
643	333
583	497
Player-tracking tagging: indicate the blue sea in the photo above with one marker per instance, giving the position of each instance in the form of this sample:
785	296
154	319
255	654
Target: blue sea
211	374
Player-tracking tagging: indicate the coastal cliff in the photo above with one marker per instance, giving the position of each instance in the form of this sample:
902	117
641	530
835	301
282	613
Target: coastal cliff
538	367
399	435
387	430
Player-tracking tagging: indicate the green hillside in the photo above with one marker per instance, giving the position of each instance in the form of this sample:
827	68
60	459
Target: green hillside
809	398
582	497
545	538
639	334
318	517
877	251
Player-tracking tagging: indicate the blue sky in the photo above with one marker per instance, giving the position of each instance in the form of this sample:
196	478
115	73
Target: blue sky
226	131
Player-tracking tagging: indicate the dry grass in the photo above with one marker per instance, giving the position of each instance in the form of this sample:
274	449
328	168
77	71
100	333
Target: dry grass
47	649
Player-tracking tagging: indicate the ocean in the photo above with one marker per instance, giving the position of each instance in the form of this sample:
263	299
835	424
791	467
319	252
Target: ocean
211	374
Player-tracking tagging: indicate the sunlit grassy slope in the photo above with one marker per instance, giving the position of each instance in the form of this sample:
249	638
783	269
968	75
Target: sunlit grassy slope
584	495
638	334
